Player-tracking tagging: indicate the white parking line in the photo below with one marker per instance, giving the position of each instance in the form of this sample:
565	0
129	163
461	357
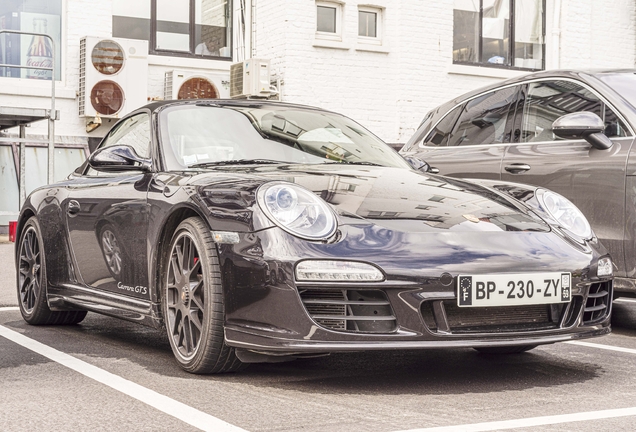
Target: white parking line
9	308
156	400
601	346
626	300
533	421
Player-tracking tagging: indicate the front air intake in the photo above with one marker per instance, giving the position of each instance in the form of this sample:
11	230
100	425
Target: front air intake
359	311
597	306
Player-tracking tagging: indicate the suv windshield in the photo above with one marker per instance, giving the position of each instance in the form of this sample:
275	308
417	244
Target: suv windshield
623	83
206	134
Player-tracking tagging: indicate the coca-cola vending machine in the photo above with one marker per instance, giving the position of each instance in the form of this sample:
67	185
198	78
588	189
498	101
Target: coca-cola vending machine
30	50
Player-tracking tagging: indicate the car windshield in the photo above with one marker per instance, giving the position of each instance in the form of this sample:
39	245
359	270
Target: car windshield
623	83
204	135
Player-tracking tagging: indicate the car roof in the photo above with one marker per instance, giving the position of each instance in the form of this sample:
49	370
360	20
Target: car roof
581	74
158	105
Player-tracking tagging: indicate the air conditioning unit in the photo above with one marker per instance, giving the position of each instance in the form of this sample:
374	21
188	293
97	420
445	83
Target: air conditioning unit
180	84
250	78
113	76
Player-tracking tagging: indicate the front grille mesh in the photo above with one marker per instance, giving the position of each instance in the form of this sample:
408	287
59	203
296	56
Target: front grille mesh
450	318
359	311
500	319
598	301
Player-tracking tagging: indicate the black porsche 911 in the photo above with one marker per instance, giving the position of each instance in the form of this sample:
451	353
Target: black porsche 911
258	231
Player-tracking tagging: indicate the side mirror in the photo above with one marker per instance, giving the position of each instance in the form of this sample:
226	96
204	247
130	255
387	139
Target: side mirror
582	125
418	164
118	158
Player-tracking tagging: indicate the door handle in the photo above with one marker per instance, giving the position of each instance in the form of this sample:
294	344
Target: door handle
433	170
73	208
517	168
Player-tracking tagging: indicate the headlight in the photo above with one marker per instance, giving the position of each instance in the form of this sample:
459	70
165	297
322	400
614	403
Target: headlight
297	210
565	213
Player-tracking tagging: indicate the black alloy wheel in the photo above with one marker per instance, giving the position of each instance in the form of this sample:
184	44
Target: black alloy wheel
30	270
192	301
32	281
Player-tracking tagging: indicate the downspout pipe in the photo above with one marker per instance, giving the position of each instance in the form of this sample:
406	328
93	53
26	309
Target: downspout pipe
556	36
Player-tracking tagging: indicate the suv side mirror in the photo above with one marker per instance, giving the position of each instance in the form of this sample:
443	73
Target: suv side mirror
118	158
419	165
582	125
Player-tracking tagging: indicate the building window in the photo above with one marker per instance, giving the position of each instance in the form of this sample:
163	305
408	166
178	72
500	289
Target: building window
185	28
500	33
367	24
370	21
23	50
326	19
329	20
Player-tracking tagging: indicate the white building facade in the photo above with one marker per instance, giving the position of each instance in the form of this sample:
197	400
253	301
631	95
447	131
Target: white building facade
384	63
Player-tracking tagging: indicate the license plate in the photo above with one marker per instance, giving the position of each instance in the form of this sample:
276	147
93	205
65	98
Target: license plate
513	289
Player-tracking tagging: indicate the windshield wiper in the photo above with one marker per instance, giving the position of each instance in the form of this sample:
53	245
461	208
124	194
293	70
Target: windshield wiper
355	163
237	162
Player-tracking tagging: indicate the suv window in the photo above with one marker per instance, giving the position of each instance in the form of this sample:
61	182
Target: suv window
133	132
440	133
483	119
546	101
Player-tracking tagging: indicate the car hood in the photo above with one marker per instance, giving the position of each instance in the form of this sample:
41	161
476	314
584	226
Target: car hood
396	198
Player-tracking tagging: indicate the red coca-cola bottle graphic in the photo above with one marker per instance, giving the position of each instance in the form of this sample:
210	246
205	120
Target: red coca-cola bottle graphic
40	53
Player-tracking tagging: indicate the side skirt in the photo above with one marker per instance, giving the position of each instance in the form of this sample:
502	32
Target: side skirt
73	297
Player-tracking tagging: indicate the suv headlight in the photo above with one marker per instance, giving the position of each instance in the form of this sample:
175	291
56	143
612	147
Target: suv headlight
566	214
297	210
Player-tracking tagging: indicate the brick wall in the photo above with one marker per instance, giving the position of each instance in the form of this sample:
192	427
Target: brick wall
389	92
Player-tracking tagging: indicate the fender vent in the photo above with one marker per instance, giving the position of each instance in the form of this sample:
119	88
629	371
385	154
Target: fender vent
359	311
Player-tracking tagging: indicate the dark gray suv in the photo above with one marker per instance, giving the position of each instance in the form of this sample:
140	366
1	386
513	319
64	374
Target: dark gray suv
569	131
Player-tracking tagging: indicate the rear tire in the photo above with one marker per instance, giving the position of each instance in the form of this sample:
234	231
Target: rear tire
192	302
32	282
503	350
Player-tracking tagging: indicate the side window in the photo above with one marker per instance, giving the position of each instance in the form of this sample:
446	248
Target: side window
133	132
483	119
438	137
546	101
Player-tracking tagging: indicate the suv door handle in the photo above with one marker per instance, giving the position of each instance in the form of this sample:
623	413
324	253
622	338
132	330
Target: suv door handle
73	208
517	168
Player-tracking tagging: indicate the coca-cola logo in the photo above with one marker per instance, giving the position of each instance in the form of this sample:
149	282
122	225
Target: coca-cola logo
39	62
44	62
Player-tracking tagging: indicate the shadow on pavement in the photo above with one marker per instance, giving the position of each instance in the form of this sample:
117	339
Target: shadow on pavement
450	371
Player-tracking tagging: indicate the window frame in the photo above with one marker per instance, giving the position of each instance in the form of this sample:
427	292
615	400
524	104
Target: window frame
337	35
521	118
509	118
88	171
619	115
43	87
511	44
152	42
379	25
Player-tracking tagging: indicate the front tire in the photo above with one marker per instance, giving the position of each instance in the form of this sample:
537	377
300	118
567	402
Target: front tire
192	302
503	350
32	281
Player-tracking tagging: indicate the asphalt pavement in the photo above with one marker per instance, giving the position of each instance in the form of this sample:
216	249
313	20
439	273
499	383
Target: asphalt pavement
107	374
